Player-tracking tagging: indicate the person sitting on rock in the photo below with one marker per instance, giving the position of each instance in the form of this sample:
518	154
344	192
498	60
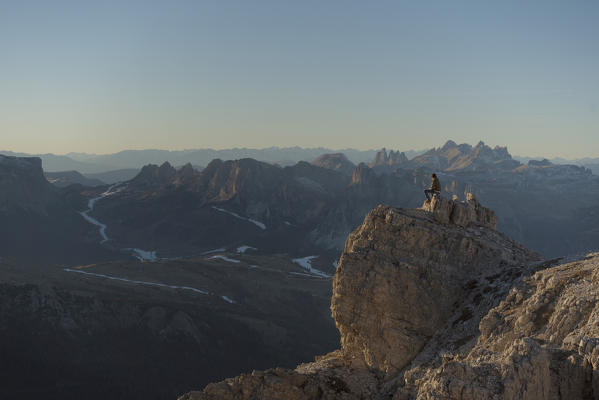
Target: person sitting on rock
434	189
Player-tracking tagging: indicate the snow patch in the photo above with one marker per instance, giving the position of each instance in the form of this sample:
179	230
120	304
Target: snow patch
228	299
253	221
306	263
335	264
224	258
214	251
143	255
115	278
306	275
244	248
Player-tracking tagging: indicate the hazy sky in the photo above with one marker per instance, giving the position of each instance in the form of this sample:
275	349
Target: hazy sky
101	76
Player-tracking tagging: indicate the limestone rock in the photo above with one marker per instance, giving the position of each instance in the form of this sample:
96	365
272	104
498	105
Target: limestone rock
328	378
402	272
460	213
541	342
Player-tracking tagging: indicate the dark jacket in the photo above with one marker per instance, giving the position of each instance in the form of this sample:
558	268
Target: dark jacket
435	184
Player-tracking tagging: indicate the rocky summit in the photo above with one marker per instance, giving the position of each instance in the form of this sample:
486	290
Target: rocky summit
434	303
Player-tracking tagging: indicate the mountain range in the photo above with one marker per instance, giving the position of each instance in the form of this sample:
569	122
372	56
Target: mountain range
135	159
309	208
90	164
231	264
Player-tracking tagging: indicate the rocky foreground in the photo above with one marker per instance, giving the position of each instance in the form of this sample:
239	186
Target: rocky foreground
434	303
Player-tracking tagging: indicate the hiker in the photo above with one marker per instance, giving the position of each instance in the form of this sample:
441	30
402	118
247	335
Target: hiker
434	189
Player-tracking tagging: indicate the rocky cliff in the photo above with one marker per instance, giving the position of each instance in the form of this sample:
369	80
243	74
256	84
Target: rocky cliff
23	186
434	303
403	272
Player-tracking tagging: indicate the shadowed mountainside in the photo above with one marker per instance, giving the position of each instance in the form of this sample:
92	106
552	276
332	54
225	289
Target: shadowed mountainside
155	330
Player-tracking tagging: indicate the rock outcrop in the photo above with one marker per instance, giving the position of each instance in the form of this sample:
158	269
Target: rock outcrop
540	342
404	271
460	213
434	303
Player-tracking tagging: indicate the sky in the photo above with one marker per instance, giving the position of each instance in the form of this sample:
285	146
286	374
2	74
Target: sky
103	76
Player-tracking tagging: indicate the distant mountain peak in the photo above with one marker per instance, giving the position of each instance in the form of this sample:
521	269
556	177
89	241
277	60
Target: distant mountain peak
336	162
153	174
464	157
391	159
448	145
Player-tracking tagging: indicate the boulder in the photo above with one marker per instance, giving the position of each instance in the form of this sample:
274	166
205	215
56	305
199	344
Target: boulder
459	213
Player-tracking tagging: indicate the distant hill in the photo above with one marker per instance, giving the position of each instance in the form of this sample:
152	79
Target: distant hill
110	177
66	178
336	162
587	162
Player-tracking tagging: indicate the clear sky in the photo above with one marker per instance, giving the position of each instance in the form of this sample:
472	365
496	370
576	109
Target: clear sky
102	76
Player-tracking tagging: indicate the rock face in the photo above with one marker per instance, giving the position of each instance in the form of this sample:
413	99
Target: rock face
540	342
23	186
402	272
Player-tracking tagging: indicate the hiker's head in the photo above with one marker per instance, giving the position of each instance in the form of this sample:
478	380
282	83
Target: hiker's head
434	175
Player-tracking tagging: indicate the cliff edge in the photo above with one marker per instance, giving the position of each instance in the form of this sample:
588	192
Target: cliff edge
434	303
